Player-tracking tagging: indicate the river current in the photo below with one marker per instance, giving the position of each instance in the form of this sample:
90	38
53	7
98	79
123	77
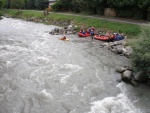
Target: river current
41	74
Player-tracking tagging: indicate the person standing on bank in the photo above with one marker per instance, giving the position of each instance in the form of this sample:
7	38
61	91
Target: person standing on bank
92	34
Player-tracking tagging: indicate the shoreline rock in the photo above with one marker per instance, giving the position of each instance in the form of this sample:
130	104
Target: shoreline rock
118	47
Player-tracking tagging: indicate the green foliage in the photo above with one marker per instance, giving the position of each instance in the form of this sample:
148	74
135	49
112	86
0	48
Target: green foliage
57	6
121	3
1	4
135	9
143	4
30	4
62	5
17	4
6	3
141	54
41	4
148	14
130	12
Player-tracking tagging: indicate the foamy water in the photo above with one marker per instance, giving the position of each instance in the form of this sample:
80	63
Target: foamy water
118	104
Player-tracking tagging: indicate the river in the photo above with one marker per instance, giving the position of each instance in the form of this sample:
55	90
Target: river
41	74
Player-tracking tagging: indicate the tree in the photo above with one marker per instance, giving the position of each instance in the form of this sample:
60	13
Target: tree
30	4
144	5
17	4
141	54
1	4
41	4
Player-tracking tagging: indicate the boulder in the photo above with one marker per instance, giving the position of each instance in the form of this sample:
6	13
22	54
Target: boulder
74	31
126	76
120	69
117	49
139	77
124	50
105	44
128	52
124	43
119	42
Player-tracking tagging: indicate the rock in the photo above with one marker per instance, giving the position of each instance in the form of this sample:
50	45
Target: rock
105	44
74	31
101	46
119	43
1	18
117	49
126	76
134	83
128	52
109	47
120	70
114	50
56	30
123	50
119	80
129	67
124	43
140	77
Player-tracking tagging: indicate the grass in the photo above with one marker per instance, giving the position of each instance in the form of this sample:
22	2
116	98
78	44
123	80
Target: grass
131	30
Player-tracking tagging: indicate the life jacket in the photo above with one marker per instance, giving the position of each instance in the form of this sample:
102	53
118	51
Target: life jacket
109	35
81	30
93	29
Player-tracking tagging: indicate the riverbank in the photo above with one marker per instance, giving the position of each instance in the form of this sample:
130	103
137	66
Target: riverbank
131	30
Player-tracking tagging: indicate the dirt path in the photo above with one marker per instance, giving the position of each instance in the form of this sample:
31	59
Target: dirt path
114	19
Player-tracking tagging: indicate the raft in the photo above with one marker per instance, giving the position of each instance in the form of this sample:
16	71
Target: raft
83	35
103	38
67	39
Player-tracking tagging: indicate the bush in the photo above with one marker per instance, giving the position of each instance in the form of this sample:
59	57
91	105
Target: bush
100	10
141	54
130	12
148	14
49	9
0	14
57	6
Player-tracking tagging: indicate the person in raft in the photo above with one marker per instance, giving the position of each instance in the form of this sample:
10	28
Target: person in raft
89	30
64	37
83	32
93	28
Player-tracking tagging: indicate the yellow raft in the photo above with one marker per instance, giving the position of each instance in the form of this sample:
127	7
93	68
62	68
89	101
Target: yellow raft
66	39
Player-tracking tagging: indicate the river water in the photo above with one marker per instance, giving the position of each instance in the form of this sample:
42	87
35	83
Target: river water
41	74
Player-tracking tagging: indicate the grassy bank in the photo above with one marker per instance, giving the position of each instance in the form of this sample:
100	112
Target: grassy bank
130	30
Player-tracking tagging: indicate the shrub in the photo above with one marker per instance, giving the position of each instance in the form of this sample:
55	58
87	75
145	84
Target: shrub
49	9
148	14
141	54
130	12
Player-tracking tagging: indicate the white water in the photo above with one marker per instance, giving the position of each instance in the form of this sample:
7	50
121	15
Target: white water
41	74
118	104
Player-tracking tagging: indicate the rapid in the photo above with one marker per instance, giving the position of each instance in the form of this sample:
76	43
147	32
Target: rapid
41	74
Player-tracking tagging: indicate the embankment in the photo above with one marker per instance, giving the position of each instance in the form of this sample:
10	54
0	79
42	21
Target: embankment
130	30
